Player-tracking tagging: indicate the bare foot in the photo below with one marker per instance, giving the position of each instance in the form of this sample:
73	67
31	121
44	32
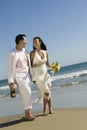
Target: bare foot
51	112
28	115
30	118
45	113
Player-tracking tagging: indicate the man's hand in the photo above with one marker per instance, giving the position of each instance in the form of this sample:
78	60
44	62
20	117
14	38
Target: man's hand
12	90
34	82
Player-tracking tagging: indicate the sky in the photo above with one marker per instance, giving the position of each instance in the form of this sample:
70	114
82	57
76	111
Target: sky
62	25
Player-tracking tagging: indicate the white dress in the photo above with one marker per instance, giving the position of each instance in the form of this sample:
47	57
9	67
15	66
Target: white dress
42	77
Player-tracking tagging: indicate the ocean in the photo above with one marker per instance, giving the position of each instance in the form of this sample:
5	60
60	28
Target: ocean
70	79
67	76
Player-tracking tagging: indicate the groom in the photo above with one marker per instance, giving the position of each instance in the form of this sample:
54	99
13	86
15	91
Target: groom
20	72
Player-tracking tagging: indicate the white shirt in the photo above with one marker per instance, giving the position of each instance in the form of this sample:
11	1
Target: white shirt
18	61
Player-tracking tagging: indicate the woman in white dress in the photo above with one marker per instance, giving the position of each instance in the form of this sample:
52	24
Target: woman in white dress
39	61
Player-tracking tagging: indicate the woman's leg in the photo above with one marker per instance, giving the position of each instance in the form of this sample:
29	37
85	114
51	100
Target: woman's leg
44	106
50	106
45	101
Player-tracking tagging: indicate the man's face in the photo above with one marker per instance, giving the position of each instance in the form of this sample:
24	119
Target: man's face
22	43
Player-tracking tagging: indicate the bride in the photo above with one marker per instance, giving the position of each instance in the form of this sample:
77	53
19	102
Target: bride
39	61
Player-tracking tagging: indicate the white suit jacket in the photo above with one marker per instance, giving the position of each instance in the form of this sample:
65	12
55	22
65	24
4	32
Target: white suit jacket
12	61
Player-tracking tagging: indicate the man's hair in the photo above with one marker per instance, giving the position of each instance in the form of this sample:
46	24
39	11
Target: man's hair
19	37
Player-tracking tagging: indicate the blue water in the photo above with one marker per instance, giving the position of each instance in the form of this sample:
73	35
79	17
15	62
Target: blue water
67	76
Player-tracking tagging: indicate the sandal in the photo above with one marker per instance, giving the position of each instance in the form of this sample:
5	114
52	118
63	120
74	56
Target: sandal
12	93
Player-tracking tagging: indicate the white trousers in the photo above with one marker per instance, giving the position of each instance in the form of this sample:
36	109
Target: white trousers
24	85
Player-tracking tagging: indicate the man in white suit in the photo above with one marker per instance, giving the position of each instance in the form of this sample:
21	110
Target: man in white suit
20	72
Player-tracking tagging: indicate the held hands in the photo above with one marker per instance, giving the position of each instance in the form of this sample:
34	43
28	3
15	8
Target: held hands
34	82
12	90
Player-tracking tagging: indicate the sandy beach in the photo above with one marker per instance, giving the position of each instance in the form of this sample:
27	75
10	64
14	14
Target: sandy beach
70	111
62	119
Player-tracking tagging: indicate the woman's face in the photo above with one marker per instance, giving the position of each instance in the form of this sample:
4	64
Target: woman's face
36	43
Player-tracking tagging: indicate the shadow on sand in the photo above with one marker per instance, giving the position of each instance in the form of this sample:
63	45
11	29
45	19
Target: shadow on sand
14	122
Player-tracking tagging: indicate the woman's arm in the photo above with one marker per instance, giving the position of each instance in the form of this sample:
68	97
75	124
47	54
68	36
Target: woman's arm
31	58
47	63
32	54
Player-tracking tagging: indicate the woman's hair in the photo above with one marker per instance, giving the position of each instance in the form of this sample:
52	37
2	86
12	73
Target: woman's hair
19	37
42	45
